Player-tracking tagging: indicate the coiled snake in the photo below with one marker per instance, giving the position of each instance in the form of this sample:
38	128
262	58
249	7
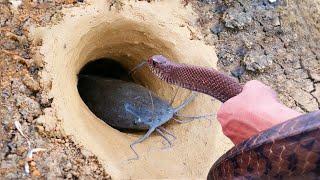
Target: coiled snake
288	150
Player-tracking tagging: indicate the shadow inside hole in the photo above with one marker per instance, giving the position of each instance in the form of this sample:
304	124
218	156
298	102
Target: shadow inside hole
107	69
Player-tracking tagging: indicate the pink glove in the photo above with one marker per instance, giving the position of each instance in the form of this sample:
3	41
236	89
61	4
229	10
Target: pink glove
255	109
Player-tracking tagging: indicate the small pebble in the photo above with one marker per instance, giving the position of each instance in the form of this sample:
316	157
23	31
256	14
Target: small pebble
241	51
37	60
40	129
220	8
21	162
32	163
276	21
36	173
21	150
69	176
216	29
238	71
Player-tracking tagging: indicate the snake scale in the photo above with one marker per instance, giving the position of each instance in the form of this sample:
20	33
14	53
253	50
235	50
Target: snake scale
290	150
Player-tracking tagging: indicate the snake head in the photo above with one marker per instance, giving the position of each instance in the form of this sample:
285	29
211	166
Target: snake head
157	61
161	67
160	64
157	64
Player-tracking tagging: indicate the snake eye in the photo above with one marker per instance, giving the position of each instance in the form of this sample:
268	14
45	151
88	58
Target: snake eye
156	60
154	63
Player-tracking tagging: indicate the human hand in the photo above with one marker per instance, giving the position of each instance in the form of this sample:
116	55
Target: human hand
255	109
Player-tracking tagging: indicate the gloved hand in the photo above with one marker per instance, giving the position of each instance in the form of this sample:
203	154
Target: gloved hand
255	109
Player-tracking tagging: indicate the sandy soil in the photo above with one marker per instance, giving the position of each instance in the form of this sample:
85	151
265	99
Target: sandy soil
275	43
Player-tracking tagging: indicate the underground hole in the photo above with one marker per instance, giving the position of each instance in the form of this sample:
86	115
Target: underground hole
103	86
128	36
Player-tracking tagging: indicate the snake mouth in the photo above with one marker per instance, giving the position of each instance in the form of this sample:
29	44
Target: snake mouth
137	32
163	76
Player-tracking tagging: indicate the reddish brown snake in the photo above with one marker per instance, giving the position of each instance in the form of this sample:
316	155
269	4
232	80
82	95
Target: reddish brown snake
288	150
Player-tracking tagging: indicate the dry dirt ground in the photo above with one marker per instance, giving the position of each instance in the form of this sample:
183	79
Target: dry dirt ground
277	43
23	99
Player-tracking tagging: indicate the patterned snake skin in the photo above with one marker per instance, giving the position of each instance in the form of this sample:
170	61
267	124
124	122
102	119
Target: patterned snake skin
201	79
288	150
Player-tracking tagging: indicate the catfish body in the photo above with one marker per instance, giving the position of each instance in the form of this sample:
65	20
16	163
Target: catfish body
123	105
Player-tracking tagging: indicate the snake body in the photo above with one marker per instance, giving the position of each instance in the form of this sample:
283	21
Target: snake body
288	150
201	79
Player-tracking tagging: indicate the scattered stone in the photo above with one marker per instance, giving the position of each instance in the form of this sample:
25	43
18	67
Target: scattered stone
21	150
18	87
219	8
11	156
69	176
68	166
10	45
238	71
38	61
31	83
40	129
216	29
242	51
45	81
247	43
32	164
6	93
276	21
21	163
28	107
257	62
36	173
48	119
236	19
45	99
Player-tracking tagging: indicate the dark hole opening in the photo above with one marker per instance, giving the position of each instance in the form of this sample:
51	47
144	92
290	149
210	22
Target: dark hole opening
106	68
101	68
